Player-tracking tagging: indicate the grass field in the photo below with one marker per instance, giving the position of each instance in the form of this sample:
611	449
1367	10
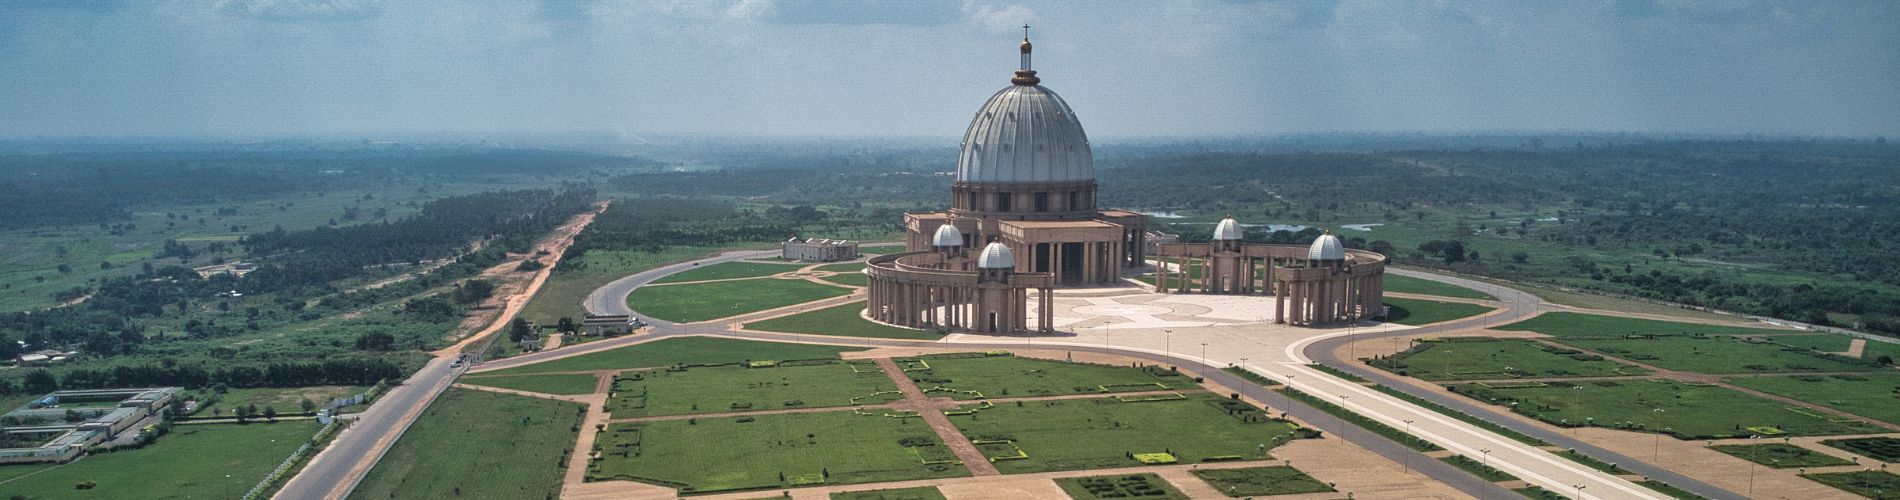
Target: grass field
1101	433
1408	284
842	321
1568	324
1142	485
1424	312
1869	395
706	301
1718	354
730	270
772	451
852	279
680	351
1870	484
193	461
1478	467
576	277
1780	456
1829	342
564	383
1478	359
1261	481
1010	376
843	267
502	446
285	400
1884	449
736	388
918	493
1683	410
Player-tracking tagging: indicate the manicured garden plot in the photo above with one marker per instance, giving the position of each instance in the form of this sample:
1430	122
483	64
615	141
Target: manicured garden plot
1478	468
479	444
564	384
729	270
1780	456
1105	432
1869	483
718	389
1873	350
1686	411
1424	312
1569	324
1719	354
772	451
680	351
1884	449
707	301
1261	481
193	461
1421	286
918	493
842	321
1485	358
1142	485
975	376
1870	395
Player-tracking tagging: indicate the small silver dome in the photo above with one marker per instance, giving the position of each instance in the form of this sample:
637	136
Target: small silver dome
947	236
996	256
1227	230
1327	247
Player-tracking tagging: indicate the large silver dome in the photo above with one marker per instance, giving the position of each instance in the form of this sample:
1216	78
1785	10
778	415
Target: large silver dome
1025	133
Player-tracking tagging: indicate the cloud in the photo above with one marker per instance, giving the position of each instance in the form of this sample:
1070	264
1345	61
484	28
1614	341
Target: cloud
861	12
304	10
995	18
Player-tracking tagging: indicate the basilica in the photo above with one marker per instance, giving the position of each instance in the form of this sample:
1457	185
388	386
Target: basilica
1023	221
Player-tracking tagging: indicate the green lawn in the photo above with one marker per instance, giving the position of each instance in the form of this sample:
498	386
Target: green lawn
1687	411
1261	481
736	388
719	299
1829	342
1780	456
576	277
1010	376
1718	354
1102	433
565	384
478	444
852	279
729	270
1144	485
842	321
1884	449
773	451
1424	312
843	267
1408	284
1569	324
1484	358
680	351
918	493
193	461
1478	467
1870	484
1870	395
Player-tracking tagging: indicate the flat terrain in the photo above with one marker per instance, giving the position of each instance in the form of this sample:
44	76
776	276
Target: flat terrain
560	383
693	302
1569	324
1261	481
1780	456
1408	284
680	351
967	377
719	389
1687	411
1104	432
479	445
1423	312
1870	484
844	321
194	461
578	276
918	493
1122	486
730	270
1869	395
1829	342
1718	354
771	451
285	400
1480	359
1885	449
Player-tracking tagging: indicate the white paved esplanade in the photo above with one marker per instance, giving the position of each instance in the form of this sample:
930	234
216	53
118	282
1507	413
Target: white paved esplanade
1224	330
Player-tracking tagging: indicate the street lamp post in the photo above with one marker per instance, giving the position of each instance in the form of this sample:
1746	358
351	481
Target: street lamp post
1487	456
1342	419
1408	456
1204	355
1579	492
1244	383
1167	342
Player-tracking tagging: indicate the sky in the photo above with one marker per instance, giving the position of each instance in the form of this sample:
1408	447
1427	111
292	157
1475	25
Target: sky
364	68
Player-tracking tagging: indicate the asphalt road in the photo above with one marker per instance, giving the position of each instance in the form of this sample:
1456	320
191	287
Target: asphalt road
334	472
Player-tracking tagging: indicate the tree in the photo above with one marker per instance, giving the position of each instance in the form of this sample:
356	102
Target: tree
308	405
566	325
39	382
270	413
1520	257
519	329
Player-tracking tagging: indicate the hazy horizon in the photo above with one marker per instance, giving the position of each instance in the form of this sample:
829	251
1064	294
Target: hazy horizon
365	68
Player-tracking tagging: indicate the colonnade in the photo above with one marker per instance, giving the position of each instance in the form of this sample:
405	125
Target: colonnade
921	294
1344	298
